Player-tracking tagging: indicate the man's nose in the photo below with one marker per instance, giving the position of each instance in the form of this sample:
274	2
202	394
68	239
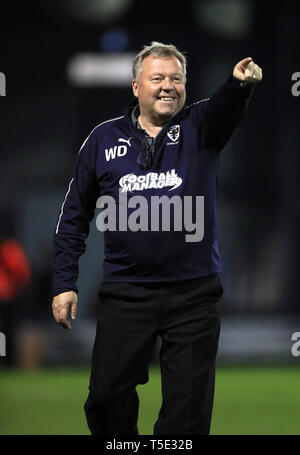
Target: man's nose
167	84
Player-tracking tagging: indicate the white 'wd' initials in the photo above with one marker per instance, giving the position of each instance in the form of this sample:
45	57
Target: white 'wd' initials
118	151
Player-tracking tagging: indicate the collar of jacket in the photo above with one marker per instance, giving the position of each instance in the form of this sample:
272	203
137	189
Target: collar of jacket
172	121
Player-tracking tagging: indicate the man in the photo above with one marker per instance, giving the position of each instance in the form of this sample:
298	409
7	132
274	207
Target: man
158	280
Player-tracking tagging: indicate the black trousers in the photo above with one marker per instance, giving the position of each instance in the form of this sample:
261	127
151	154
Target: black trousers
186	315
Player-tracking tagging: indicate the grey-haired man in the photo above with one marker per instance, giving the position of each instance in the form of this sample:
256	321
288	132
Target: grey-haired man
155	283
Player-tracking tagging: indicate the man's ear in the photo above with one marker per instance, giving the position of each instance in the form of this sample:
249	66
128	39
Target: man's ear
135	88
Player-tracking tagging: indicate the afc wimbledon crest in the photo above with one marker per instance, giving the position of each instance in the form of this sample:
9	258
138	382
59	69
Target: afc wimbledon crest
173	132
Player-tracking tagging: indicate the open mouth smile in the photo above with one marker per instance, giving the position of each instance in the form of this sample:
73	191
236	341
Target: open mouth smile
166	99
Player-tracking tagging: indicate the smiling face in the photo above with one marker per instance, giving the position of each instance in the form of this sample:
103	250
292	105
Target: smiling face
160	88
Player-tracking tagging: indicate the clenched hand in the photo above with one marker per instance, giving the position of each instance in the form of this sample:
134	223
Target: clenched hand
247	72
64	304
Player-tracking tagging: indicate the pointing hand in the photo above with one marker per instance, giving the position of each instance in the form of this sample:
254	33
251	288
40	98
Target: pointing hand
247	72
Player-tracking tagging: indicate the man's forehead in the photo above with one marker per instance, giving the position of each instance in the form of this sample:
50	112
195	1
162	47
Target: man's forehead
151	63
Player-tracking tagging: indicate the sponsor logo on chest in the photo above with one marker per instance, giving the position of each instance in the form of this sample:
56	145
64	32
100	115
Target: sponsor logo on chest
132	182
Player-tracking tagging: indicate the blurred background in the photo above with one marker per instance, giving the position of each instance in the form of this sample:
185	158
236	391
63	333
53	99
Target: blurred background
67	68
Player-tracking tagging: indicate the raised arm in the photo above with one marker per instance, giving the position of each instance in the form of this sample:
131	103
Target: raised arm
225	109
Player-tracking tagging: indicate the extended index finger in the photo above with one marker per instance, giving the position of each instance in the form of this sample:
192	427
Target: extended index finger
245	62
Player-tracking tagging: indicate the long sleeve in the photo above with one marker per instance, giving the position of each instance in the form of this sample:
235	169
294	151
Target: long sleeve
224	110
73	223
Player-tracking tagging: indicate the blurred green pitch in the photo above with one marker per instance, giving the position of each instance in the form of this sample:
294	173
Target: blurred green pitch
253	400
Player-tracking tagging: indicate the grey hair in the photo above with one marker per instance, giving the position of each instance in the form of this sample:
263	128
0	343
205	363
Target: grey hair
158	50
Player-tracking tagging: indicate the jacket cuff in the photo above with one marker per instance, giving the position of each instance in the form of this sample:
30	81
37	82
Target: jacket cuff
247	89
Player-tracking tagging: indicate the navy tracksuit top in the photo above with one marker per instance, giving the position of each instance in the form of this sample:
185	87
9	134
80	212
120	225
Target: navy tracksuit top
185	163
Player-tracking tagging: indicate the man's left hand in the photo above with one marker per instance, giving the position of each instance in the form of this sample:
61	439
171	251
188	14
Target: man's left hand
247	72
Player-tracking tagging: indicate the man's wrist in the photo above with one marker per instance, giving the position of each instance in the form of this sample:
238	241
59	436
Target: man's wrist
60	291
239	82
243	87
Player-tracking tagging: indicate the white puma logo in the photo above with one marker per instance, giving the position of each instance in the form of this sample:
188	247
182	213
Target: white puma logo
125	140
